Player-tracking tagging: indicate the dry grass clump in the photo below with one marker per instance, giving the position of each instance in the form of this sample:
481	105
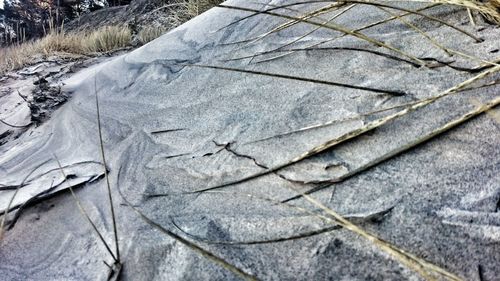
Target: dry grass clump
148	34
107	39
196	7
181	11
16	56
490	9
104	39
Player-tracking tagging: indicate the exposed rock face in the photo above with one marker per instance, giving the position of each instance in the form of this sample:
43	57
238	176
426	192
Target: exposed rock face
171	128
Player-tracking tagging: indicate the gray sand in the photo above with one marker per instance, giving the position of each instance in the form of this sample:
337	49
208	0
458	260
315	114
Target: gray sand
437	200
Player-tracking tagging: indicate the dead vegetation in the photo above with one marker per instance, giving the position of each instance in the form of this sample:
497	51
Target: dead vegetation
196	7
489	10
427	270
180	11
488	68
148	34
485	68
105	39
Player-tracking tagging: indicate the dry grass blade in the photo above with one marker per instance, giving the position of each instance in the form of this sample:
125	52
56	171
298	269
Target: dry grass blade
359	116
313	14
311	127
412	26
85	214
28	202
103	156
255	242
421	266
299	38
14	126
253	196
343	35
434	42
481	108
416	12
318	12
379	122
336	121
413	262
495	115
205	253
337	28
471	17
317	28
279	7
490	9
352	134
6	212
259	242
407	12
424	268
303	79
374	52
310	15
489	84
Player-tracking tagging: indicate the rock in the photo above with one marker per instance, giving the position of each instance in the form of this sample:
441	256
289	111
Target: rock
184	114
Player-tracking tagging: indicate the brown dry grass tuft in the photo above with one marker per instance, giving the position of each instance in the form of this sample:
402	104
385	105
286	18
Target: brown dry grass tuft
105	39
188	9
16	56
148	34
196	7
490	9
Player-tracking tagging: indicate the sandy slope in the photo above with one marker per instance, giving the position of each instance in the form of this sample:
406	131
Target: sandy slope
170	128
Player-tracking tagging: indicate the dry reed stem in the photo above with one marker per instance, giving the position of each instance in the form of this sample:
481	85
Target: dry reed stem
355	133
85	214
